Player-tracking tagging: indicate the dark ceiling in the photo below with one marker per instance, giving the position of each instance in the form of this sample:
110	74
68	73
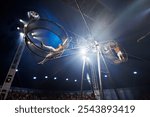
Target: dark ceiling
125	21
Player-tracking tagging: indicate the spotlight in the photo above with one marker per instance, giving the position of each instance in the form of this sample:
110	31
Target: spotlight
85	58
83	51
16	70
46	76
33	34
18	28
25	25
34	77
134	72
55	78
105	76
28	42
75	80
67	79
34	37
21	20
21	34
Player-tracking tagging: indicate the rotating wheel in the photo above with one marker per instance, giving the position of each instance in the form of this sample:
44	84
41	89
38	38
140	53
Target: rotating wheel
44	31
110	51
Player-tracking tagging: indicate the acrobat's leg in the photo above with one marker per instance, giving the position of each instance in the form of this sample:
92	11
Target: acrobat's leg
119	55
46	58
122	57
43	61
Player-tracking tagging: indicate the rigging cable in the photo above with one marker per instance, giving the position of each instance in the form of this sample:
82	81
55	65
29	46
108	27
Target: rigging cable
86	24
143	37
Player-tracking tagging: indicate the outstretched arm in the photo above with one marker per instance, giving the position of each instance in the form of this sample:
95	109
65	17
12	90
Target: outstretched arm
48	47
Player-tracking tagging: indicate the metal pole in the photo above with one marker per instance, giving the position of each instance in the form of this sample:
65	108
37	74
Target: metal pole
99	71
83	66
12	71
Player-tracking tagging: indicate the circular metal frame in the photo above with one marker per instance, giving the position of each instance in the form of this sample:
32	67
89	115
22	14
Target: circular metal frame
43	24
108	51
32	15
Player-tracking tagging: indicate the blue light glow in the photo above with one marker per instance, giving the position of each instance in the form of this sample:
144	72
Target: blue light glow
53	40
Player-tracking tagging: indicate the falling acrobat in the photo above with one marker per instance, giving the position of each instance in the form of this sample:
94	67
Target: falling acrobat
53	51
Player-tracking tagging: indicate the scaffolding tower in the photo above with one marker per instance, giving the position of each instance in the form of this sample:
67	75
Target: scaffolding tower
12	71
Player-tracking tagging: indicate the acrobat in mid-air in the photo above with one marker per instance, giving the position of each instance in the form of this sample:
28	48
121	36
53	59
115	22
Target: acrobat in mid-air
53	51
118	51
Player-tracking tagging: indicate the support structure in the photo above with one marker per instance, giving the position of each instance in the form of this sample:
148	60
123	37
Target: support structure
99	70
83	67
94	80
12	71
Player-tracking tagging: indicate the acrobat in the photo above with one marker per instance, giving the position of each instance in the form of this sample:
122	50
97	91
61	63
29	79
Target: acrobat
118	52
53	51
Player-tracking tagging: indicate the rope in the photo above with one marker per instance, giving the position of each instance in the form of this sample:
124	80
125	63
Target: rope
86	24
143	37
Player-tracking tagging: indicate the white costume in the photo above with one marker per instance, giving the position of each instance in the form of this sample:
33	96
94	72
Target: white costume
119	54
53	51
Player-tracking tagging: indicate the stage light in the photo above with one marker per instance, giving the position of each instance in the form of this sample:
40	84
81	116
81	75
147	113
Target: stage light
16	70
85	58
55	78
25	25
46	76
28	42
34	37
105	76
33	34
21	20
18	28
21	34
34	77
75	80
67	79
134	72
83	51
